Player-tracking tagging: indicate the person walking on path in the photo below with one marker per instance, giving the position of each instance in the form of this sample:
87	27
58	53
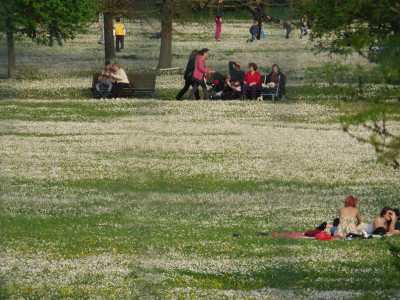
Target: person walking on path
218	19
189	76
200	70
119	33
101	25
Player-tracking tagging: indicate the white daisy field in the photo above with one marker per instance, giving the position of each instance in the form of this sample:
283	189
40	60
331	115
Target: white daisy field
160	199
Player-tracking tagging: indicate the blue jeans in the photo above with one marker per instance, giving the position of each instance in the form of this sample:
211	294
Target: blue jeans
303	32
57	34
105	94
253	37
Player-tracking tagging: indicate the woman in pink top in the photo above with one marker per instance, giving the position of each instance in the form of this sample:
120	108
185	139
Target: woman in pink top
200	69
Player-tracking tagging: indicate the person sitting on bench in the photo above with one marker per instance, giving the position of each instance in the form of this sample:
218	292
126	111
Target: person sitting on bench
252	80
237	75
121	80
275	83
105	80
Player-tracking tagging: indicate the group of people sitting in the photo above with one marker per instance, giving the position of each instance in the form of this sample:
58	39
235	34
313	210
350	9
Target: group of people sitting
111	81
350	222
238	80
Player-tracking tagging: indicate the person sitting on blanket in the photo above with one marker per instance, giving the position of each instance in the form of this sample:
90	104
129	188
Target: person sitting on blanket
349	218
275	83
385	223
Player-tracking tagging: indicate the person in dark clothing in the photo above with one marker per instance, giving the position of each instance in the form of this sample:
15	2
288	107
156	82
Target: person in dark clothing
237	75
189	76
220	8
258	15
276	82
287	25
254	31
397	224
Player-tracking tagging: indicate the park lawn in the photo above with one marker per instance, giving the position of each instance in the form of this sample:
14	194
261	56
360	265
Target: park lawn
142	198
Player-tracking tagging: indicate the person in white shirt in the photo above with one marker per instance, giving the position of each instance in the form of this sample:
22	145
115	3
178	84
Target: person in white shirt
121	80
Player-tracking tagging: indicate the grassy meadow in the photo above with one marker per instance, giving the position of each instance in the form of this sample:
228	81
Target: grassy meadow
154	198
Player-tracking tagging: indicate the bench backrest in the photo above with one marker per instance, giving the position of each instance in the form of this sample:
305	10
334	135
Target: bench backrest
145	82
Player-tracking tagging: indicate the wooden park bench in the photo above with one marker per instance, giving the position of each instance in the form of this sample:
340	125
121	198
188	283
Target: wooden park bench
138	83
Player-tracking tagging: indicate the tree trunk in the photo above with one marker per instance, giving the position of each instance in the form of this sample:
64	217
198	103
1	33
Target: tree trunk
291	3
266	7
165	59
108	37
10	50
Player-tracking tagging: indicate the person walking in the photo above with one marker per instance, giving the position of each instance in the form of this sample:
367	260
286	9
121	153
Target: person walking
200	70
303	27
189	76
218	19
119	33
101	25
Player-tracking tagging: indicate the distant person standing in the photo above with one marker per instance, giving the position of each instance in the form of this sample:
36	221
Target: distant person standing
218	19
287	25
101	25
303	27
119	33
55	32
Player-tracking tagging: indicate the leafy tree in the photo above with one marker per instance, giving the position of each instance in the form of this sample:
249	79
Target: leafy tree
37	18
370	28
342	26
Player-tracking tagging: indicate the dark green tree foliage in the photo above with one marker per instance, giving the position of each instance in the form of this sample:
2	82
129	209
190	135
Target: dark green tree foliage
372	29
37	18
343	26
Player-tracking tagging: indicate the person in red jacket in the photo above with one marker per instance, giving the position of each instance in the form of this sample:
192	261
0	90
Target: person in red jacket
252	80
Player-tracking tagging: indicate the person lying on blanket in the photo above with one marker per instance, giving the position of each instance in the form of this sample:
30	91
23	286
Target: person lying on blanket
385	223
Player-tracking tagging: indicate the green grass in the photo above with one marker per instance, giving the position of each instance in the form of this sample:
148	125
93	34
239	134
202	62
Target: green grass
148	199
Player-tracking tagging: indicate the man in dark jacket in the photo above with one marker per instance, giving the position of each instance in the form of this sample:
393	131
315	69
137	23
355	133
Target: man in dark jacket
237	75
